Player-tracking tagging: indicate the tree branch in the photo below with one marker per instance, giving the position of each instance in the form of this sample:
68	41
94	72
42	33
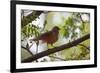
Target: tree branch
30	17
85	46
27	49
56	49
57	58
81	18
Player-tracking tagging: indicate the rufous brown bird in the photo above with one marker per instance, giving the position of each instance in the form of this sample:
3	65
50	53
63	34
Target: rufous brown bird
49	37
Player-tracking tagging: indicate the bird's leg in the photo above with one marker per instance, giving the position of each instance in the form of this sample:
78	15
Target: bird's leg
50	46
53	45
47	46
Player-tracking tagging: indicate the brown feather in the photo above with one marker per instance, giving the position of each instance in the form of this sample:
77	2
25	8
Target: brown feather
49	37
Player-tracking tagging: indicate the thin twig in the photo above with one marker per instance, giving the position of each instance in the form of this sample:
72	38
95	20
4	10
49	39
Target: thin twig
84	46
30	18
58	58
27	49
81	18
37	48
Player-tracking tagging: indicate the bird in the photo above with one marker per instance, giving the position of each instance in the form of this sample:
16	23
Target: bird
49	37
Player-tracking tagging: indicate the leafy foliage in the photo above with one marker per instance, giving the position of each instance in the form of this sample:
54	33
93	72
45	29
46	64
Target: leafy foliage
30	30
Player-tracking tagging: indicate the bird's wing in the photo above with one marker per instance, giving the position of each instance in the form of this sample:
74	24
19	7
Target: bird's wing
45	35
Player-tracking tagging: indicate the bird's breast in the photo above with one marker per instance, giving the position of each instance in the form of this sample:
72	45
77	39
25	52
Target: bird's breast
50	38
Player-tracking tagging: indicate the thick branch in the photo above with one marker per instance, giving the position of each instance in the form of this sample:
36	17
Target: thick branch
30	18
56	49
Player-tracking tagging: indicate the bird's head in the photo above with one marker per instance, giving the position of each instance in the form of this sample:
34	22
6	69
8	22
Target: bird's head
56	28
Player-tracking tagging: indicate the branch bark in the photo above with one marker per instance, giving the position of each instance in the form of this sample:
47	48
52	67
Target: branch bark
56	49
